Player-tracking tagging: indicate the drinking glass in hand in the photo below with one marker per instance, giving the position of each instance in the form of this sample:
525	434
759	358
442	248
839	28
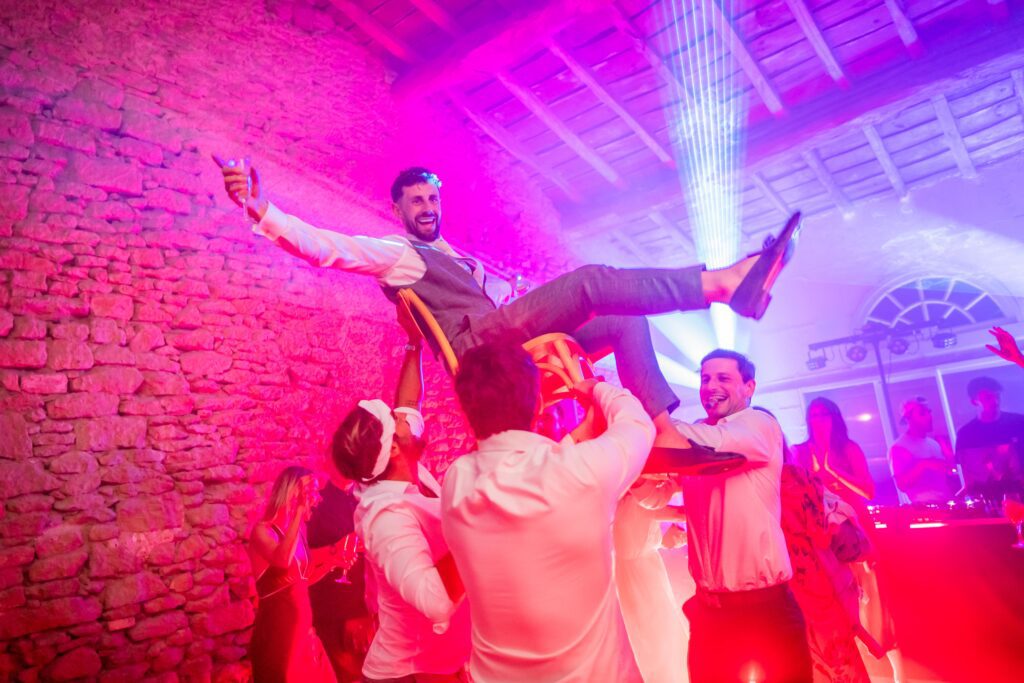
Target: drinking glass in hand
244	164
1014	510
347	551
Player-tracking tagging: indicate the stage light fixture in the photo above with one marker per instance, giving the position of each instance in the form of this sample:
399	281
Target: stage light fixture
898	346
856	353
943	340
815	362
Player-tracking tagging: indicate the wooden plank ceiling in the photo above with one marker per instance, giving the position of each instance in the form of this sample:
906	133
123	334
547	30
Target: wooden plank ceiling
845	100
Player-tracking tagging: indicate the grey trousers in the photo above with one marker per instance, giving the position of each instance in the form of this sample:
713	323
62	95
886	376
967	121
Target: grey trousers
603	308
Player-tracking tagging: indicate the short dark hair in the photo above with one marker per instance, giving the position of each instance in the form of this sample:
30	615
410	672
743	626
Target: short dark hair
498	387
747	369
356	444
414	175
979	384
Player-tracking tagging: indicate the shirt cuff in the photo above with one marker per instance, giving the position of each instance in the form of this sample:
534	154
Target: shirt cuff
414	418
274	223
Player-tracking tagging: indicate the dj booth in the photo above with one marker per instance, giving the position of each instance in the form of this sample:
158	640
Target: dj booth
956	589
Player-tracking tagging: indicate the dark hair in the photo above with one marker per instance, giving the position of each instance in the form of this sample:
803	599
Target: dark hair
356	444
979	384
746	368
498	387
840	434
408	177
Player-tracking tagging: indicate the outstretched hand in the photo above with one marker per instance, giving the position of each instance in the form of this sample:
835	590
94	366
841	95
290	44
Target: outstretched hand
1008	349
242	185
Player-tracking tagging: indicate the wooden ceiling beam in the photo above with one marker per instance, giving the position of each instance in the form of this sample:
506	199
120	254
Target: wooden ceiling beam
885	159
439	15
638	252
824	176
986	53
642	48
543	112
770	194
494	46
721	24
511	145
377	31
587	76
954	140
673	230
805	18
904	26
1017	75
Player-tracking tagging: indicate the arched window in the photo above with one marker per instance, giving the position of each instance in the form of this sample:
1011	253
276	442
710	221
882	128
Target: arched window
941	301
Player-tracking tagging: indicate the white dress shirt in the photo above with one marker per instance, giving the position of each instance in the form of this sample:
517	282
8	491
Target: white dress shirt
733	520
391	260
421	630
528	521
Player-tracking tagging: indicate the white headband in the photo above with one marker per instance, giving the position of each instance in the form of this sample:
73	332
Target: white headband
380	410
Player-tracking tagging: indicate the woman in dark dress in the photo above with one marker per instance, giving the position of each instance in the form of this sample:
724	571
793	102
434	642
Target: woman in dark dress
284	646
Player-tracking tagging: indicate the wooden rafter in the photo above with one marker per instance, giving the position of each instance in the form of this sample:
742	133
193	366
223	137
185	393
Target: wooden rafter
494	45
1017	75
641	47
638	252
587	76
439	15
816	38
373	28
885	159
814	162
904	26
673	230
511	145
766	189
739	51
954	140
543	112
872	98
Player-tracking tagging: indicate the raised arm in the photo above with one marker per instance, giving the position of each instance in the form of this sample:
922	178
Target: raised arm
1008	349
323	248
409	393
858	478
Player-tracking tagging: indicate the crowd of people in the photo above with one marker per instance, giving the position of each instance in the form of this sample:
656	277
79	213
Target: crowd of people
536	558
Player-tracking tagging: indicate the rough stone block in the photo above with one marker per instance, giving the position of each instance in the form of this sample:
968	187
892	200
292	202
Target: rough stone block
193	340
102	433
14	202
116	306
133	589
95	90
151	513
164	384
67	354
205	363
107	174
15	126
22	354
60	135
149	128
19	478
58	540
58	566
82	404
15	442
109	380
49	615
159	626
79	663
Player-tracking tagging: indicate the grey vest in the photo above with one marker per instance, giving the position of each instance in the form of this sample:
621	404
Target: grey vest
449	291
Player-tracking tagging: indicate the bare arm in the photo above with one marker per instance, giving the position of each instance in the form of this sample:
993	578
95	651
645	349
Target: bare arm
410	378
265	544
858	478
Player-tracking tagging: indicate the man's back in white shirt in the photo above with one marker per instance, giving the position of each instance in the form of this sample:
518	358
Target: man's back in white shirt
528	521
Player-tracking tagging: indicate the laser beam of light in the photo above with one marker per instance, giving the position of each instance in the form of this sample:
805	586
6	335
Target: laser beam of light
707	131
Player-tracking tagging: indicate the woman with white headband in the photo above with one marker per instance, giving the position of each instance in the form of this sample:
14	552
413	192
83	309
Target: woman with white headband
423	633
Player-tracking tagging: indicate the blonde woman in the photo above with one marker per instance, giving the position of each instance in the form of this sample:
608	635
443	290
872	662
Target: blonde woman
284	647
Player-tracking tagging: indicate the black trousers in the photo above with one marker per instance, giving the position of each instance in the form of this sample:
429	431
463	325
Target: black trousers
757	635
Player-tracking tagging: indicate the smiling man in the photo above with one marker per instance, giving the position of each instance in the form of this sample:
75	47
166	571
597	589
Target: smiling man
602	307
744	622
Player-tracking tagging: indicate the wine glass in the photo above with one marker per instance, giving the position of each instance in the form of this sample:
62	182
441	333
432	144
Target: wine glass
350	545
244	164
1014	510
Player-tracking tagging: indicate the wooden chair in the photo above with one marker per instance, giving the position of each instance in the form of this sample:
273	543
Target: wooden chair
561	360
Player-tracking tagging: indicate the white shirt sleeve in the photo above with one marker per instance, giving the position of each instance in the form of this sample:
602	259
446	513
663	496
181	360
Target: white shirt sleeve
751	433
617	457
402	552
391	261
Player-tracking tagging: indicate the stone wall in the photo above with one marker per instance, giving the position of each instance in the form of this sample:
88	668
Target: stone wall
159	364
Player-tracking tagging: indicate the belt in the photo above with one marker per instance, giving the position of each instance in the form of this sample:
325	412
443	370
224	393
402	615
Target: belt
731	599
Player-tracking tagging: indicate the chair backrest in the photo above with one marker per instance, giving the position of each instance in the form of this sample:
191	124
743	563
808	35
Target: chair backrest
429	329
